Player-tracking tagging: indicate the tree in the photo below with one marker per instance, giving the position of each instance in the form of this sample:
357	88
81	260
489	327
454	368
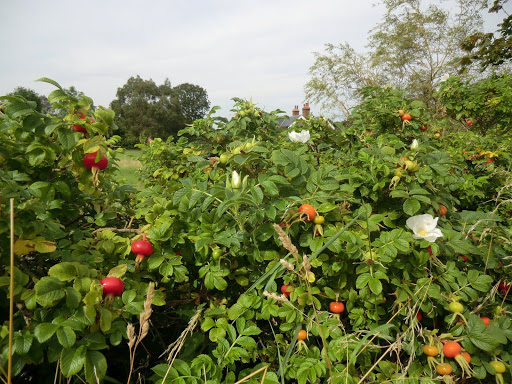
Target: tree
490	49
193	101
42	104
145	109
411	48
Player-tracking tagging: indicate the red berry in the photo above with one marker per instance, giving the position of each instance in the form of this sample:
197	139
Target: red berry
486	320
112	286
80	128
142	248
285	289
90	161
336	307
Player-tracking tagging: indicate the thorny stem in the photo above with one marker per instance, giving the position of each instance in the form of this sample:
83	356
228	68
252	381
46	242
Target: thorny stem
329	364
240	224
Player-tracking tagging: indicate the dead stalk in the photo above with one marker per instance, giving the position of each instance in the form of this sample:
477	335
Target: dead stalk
174	348
133	339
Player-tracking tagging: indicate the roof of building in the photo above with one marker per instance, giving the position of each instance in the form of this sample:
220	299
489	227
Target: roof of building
285	123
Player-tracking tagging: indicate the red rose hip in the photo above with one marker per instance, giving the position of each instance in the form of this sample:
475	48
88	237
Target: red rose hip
112	287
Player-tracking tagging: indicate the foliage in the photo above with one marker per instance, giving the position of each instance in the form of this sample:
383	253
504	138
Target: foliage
146	110
220	207
193	101
487	103
490	49
412	48
42	104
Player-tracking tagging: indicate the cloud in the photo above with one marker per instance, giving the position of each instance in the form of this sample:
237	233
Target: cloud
260	49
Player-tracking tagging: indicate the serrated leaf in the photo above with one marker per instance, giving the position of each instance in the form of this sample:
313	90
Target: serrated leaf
362	280
95	366
65	271
72	360
105	319
49	291
411	207
484	341
73	297
66	337
44	331
118	271
375	286
22	343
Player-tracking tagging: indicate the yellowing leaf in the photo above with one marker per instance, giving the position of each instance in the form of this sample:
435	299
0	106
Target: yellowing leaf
118	271
44	246
24	247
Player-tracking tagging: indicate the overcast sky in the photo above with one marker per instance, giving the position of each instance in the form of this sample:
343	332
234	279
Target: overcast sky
259	49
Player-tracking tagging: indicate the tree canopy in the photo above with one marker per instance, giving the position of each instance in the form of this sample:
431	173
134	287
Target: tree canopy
42	104
145	109
490	49
412	47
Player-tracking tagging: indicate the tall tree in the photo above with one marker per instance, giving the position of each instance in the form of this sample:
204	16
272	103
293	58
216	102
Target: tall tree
42	104
490	49
412	47
193	101
145	109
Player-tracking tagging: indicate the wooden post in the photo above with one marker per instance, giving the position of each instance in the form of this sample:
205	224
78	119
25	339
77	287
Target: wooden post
11	298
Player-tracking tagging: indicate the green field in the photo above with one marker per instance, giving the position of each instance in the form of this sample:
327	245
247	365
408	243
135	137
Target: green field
129	166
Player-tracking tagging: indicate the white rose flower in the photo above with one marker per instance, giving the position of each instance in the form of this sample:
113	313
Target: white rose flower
235	183
444	78
424	227
300	137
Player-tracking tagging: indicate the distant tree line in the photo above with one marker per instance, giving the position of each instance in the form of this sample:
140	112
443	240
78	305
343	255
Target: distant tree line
143	108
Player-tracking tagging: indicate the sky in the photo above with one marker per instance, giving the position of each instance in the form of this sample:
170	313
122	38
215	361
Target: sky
248	49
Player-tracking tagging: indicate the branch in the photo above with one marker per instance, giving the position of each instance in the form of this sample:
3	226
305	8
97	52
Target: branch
116	230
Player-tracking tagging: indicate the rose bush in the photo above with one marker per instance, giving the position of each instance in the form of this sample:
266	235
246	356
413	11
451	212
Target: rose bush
227	236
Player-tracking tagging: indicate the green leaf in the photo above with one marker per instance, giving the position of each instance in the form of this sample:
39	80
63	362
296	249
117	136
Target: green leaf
57	95
105	319
118	271
73	297
44	331
22	342
63	188
49	81
362	280
235	311
49	291
67	138
484	341
66	337
216	333
65	271
375	286
270	187
95	366
411	207
72	360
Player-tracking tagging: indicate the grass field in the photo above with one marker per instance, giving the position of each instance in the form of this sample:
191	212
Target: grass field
129	167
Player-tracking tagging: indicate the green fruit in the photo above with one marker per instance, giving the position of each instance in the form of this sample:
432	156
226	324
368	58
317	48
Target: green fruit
456	307
217	253
223	158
